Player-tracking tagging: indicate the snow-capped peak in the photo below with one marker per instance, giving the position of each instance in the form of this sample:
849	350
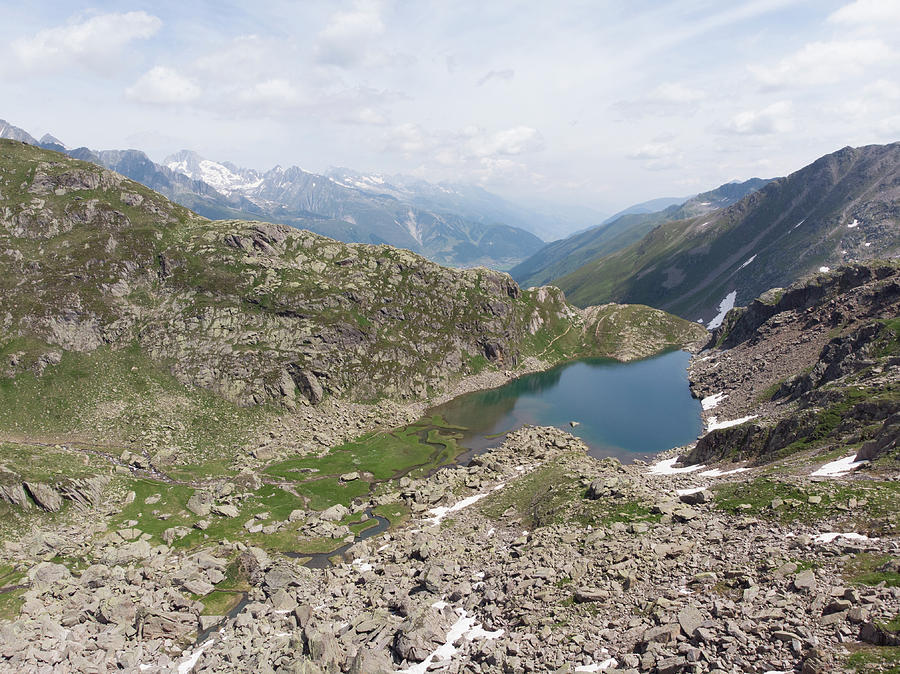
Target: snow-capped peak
219	176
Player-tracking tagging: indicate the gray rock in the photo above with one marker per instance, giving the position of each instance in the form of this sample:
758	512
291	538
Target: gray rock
200	503
335	513
695	498
689	618
805	581
417	637
47	573
44	495
226	510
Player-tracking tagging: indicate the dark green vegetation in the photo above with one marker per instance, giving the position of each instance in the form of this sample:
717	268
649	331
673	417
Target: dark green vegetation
868	569
555	493
115	399
868	506
415	449
10	596
566	255
792	226
875	659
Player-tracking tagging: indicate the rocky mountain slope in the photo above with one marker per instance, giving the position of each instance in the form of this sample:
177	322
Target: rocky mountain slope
810	367
839	209
103	277
215	456
445	230
563	257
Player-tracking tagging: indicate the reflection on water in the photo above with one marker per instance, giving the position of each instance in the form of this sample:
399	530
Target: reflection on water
623	409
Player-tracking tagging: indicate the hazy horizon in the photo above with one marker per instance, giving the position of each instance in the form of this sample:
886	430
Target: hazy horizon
599	105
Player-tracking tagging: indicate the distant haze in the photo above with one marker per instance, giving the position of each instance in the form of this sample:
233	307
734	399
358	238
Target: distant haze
589	103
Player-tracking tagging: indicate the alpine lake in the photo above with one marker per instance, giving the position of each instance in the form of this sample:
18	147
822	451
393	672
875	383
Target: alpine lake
626	410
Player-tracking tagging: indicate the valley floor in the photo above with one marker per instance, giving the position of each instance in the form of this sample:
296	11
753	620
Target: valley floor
533	558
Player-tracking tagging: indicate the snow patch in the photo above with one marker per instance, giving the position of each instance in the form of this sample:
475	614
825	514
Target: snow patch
854	224
687	492
597	666
188	664
413	227
798	224
441	512
464	627
710	402
717	472
362	565
746	263
839	467
867	244
667	467
824	269
726	305
831	535
714	422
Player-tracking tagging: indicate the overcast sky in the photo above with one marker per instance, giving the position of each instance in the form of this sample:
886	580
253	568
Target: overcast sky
598	103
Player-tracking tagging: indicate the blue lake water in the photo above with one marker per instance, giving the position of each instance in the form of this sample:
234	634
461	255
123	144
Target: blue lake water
627	410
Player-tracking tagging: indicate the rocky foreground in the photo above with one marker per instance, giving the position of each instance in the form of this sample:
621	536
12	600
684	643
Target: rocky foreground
533	558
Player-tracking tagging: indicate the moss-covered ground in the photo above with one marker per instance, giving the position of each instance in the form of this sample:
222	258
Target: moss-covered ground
552	494
861	505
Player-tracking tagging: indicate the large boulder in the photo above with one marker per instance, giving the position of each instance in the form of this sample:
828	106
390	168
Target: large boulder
45	496
200	503
335	513
418	636
48	573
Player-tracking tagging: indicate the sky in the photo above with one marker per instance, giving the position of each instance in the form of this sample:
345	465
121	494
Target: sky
595	103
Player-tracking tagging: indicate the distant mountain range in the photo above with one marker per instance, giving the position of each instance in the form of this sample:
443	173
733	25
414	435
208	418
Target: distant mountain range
565	256
842	208
459	225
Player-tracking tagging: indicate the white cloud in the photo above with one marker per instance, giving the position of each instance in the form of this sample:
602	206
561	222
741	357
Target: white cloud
274	93
346	39
163	86
883	89
775	118
820	63
244	58
366	115
512	141
889	127
653	151
675	92
408	139
91	42
879	13
666	99
506	74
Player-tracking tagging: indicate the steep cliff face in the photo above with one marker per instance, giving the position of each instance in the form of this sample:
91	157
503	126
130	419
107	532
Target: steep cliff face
815	366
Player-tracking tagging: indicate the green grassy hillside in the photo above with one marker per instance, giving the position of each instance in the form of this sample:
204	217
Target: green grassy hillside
841	208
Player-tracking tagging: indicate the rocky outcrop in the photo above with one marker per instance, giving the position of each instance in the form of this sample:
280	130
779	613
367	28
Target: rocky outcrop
885	443
261	313
812	366
44	495
84	493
